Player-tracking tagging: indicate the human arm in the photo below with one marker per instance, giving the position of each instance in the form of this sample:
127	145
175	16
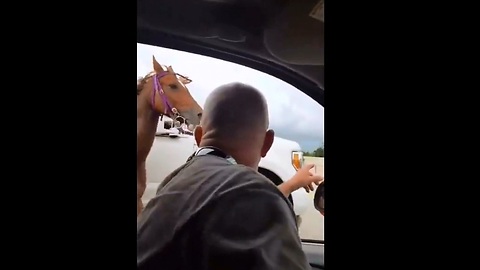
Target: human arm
253	229
303	178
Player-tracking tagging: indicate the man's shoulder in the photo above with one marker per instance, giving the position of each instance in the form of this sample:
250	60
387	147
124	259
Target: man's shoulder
210	177
221	174
220	165
237	173
242	179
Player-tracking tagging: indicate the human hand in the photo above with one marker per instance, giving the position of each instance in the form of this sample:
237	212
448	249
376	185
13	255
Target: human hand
304	178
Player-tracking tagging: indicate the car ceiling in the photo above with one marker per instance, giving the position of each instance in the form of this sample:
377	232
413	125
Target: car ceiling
280	37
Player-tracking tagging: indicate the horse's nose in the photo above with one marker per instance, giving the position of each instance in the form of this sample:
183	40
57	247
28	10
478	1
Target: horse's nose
199	115
192	117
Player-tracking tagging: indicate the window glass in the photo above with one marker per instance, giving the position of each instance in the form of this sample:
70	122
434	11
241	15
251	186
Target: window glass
293	115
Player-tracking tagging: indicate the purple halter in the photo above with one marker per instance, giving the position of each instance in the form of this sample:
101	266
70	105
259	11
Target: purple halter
157	88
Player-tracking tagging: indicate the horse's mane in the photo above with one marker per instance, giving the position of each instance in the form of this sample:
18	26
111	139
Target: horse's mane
142	80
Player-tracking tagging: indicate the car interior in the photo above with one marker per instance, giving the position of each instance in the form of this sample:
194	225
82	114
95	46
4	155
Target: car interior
283	38
278	37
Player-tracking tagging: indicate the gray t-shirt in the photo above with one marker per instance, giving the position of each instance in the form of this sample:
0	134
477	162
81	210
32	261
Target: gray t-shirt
211	214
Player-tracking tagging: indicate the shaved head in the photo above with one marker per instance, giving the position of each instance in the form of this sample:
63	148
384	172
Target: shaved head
235	109
235	119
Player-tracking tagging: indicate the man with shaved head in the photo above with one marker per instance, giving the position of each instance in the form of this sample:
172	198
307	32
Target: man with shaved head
217	211
235	119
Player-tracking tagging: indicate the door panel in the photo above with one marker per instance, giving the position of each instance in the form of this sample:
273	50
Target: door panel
314	252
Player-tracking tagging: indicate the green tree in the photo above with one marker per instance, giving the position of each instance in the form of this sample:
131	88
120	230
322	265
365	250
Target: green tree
316	153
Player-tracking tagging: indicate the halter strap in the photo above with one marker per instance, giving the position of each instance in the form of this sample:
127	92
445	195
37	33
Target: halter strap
157	88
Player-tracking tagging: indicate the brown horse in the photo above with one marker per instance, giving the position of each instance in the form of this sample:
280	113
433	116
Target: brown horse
161	92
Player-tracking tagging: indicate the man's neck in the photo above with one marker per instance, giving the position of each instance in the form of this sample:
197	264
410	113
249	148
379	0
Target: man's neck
240	156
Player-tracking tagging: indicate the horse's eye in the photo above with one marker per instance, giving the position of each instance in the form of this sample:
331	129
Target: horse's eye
173	86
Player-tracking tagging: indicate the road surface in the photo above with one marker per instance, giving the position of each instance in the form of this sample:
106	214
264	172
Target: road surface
312	221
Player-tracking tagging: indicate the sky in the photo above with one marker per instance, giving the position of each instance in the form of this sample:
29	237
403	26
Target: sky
293	115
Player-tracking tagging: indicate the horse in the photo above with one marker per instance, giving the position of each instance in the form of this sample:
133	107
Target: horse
161	92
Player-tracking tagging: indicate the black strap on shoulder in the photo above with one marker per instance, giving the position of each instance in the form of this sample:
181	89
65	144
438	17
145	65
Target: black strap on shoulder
203	151
213	151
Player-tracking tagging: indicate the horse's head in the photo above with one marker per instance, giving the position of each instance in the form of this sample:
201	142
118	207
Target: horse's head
168	94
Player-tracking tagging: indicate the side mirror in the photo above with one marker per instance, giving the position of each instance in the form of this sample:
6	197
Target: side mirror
319	199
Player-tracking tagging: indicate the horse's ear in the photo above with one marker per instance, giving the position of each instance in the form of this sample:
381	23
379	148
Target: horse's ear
156	66
170	69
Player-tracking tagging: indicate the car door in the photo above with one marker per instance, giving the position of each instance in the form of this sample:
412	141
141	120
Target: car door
314	251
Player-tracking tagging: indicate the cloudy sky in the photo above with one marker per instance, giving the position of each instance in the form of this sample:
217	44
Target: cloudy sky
293	115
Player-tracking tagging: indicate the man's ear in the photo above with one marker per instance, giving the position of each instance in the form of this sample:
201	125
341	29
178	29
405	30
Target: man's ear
198	133
267	142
